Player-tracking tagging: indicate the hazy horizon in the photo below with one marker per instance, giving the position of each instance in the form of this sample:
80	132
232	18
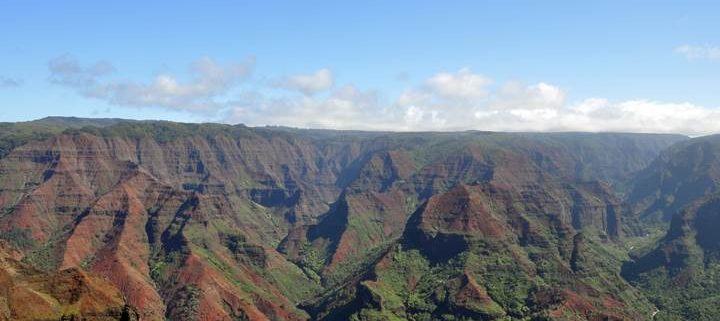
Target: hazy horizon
361	130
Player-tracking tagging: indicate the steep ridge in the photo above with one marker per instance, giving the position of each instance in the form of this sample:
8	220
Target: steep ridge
679	176
70	294
218	222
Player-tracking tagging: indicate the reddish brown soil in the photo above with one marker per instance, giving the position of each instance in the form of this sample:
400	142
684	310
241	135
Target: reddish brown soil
461	210
28	294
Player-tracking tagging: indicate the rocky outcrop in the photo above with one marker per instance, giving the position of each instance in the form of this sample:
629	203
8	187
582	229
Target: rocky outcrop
69	294
441	227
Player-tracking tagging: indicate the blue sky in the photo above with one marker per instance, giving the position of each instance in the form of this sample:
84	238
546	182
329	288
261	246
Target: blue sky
420	65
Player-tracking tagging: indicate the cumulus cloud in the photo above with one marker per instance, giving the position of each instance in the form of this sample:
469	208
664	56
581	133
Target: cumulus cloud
344	108
318	81
475	105
10	82
446	101
208	80
463	84
699	52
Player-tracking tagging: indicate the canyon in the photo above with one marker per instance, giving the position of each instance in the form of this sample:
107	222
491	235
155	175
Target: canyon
110	219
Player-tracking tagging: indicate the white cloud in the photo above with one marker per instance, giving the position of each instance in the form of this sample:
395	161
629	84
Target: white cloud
699	52
596	114
343	108
509	107
446	101
462	84
308	84
516	95
208	81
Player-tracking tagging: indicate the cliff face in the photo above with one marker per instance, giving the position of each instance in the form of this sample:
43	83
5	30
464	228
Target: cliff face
679	270
214	222
156	219
680	176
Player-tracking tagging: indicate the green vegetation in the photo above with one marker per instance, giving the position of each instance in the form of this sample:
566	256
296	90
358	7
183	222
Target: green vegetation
162	131
185	303
13	135
19	238
311	261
